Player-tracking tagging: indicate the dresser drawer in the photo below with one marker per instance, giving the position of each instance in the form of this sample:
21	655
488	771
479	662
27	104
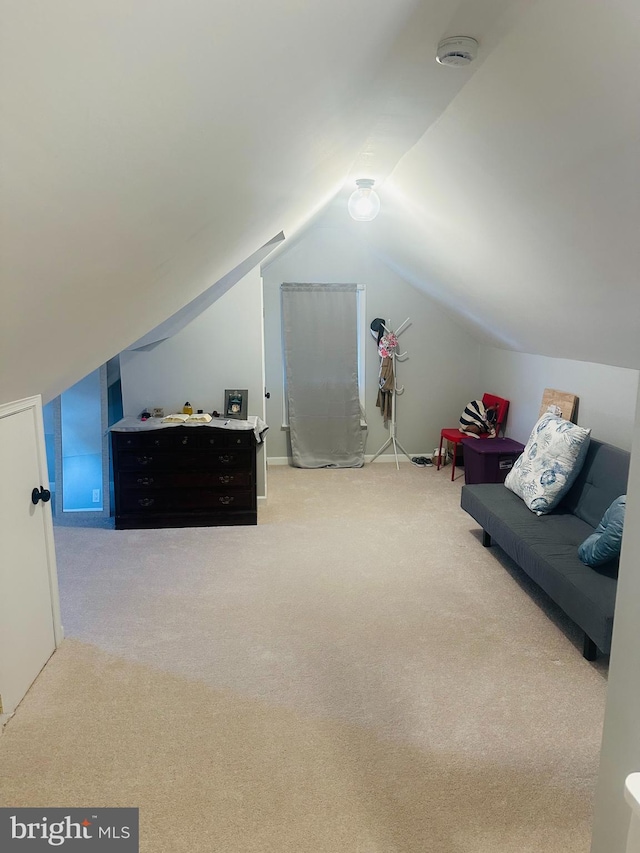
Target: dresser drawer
183	500
185	459
146	441
163	479
175	437
188	500
231	458
149	501
144	459
126	440
232	479
224	438
237	439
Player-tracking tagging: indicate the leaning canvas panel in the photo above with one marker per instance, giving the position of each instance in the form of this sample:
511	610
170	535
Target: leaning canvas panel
566	402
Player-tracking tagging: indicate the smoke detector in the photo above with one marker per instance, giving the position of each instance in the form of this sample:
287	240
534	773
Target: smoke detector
457	51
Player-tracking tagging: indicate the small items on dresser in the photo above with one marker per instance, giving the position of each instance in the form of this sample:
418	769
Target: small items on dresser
180	418
176	418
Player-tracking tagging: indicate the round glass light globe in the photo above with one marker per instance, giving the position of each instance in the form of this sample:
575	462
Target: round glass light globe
364	204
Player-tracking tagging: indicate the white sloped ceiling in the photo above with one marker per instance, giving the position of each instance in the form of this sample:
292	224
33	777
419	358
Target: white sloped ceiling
520	208
149	147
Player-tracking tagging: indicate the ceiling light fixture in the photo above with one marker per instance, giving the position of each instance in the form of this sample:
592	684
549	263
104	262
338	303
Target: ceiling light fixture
364	204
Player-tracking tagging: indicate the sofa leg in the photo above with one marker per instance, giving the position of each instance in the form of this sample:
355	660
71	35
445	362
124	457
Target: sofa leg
589	650
486	539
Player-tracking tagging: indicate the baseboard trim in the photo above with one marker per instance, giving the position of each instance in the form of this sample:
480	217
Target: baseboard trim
384	457
390	457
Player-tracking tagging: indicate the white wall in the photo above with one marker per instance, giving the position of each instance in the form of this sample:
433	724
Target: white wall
607	395
222	348
440	374
621	739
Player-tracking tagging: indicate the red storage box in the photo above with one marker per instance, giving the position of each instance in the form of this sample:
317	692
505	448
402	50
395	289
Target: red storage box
489	460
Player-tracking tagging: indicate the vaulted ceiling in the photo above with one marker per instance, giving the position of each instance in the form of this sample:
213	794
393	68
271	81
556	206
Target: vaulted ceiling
149	147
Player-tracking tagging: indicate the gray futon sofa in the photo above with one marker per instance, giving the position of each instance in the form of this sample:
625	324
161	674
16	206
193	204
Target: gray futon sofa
546	546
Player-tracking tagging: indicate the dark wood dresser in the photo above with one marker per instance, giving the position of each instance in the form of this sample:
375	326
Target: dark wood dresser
195	476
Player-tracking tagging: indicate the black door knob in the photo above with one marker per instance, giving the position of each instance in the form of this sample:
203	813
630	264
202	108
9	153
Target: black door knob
40	494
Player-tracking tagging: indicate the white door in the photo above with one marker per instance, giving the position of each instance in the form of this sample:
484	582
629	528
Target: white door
29	606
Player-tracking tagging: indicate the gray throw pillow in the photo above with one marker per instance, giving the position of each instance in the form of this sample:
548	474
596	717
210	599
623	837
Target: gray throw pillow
605	542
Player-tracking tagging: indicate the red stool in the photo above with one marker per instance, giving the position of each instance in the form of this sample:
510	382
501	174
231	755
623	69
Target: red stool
455	437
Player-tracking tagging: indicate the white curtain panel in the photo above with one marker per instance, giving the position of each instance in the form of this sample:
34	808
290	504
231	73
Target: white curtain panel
321	361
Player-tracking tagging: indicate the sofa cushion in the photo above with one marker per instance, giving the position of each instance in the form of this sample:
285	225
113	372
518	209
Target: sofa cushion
546	548
549	464
586	596
605	542
602	479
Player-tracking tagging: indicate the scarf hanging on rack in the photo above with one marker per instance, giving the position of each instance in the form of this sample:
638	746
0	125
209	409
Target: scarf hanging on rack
386	385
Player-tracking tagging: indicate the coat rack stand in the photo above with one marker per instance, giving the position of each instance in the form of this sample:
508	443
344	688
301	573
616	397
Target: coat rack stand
396	356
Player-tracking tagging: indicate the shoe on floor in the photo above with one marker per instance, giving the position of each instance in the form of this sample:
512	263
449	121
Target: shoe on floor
421	461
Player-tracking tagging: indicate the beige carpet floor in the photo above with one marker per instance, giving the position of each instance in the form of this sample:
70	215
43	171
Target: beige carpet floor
356	673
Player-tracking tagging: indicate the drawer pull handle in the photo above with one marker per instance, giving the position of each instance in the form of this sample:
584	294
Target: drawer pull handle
225	478
225	499
146	501
144	460
145	481
184	439
227	458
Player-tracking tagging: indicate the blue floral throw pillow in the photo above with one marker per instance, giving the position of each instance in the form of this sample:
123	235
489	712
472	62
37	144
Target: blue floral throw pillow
549	464
605	542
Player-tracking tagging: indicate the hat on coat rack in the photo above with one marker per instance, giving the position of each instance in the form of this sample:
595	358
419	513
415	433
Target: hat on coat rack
377	329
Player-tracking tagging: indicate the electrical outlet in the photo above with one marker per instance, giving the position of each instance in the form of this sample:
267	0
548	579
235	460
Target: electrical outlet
96	496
